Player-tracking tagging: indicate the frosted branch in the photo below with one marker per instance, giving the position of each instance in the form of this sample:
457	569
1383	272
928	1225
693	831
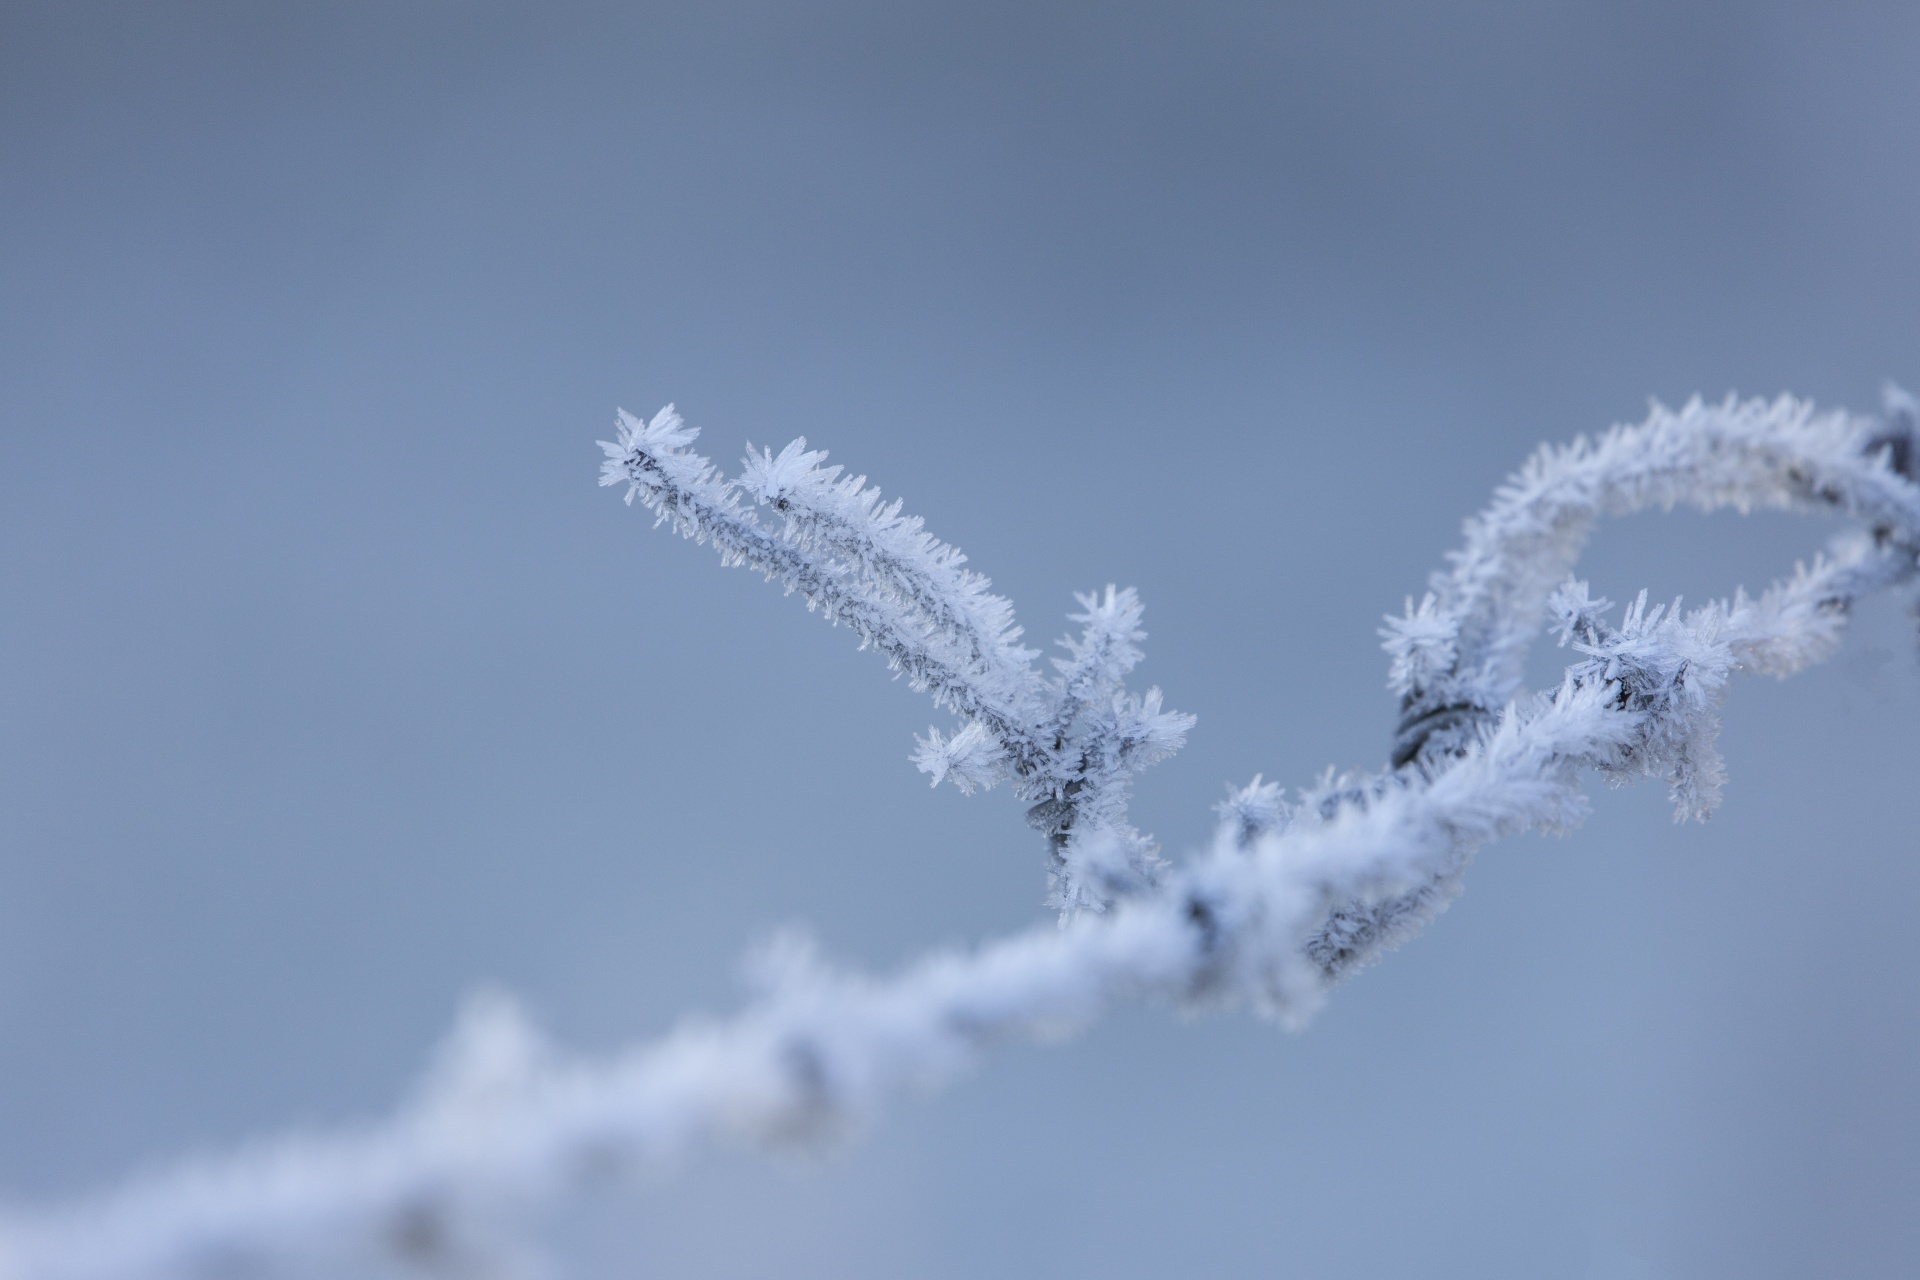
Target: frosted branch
1071	745
1289	896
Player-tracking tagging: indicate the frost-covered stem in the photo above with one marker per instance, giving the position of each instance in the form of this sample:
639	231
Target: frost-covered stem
847	520
686	492
1459	654
1284	900
1078	757
1071	746
1104	737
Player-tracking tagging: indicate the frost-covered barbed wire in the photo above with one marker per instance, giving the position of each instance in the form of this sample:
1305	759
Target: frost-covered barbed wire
1289	896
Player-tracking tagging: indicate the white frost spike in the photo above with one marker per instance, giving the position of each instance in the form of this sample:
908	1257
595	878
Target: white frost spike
769	477
1284	903
1255	810
1420	644
1575	613
1676	669
1146	734
664	439
1107	649
970	757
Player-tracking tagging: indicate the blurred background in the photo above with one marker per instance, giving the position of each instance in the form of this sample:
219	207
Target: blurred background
331	686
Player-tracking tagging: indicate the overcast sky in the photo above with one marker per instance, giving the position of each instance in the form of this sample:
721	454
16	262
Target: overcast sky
331	685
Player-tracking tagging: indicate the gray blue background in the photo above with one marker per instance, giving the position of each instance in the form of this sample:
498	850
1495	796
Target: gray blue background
330	685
